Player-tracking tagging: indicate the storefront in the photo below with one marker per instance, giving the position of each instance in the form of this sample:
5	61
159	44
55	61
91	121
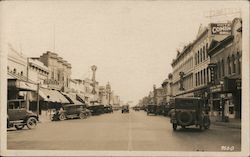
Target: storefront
225	99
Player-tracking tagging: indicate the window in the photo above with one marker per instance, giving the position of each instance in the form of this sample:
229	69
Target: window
14	71
201	77
222	68
228	66
233	64
201	54
196	80
21	73
204	77
218	70
198	57
239	63
207	75
207	50
204	53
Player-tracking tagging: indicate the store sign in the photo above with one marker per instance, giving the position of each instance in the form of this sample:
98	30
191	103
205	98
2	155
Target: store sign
221	28
216	88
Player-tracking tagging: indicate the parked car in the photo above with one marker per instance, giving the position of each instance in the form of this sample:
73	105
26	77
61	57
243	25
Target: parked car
108	109
71	111
190	111
152	109
96	109
18	116
125	109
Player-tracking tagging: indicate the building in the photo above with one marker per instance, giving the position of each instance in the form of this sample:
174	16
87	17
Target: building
182	75
59	71
16	64
167	87
226	64
37	72
191	74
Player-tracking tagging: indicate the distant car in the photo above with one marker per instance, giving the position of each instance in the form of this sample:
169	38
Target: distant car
125	109
136	108
152	109
19	118
189	111
71	111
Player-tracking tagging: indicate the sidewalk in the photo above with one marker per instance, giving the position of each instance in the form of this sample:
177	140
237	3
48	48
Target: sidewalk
233	123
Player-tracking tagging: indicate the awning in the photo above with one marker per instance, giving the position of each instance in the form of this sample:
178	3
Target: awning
21	85
52	96
80	97
72	97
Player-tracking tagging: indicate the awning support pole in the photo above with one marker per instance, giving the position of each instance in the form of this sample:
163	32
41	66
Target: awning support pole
37	105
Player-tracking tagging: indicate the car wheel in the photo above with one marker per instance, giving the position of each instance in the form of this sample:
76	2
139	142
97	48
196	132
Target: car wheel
31	122
82	116
19	127
174	126
62	117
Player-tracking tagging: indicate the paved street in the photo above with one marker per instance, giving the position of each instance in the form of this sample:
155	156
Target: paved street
134	131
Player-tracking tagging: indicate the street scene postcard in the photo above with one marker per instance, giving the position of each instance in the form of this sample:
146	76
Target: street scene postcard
124	78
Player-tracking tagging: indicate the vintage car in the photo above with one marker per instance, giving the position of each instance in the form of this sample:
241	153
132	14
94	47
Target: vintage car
190	111
136	108
125	109
108	109
96	109
19	117
152	109
71	111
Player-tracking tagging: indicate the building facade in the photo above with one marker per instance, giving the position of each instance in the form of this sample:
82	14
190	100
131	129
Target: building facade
182	75
59	71
226	64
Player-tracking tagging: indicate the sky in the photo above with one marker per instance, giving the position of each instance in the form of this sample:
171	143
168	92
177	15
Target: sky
132	43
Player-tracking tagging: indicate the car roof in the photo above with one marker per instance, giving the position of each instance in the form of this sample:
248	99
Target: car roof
68	105
191	98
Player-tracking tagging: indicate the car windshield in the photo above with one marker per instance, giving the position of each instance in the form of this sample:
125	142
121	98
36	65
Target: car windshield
186	103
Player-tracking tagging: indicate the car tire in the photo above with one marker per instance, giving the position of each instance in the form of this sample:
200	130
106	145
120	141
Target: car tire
31	122
183	121
82	116
19	127
61	117
174	126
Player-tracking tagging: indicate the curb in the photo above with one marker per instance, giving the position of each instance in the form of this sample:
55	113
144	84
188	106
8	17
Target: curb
229	125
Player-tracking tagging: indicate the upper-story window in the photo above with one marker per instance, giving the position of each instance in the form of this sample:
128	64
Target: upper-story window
201	55
233	64
207	50
198	57
222	68
228	65
21	73
204	53
14	71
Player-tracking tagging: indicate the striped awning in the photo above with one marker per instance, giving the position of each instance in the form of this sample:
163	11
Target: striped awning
52	96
